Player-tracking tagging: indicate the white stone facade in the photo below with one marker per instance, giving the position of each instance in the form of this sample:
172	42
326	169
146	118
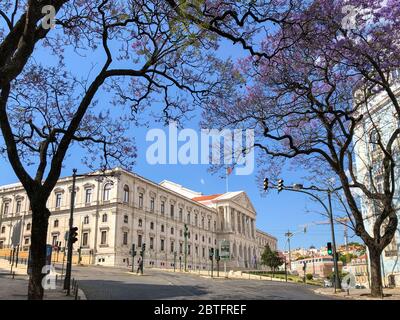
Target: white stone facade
380	119
112	213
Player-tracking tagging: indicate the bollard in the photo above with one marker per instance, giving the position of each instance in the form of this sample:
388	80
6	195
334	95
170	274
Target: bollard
76	292
13	275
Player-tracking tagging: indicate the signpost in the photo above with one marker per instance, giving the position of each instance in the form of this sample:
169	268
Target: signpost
225	253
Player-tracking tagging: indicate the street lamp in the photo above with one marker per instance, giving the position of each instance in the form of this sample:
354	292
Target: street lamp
71	238
300	188
186	233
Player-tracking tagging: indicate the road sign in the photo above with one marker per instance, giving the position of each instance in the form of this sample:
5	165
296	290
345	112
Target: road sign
225	252
49	249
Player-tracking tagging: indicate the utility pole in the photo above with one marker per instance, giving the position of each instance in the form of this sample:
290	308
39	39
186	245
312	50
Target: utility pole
335	258
67	280
289	235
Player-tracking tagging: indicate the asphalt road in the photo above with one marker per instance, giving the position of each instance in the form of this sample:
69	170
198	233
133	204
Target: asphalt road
102	283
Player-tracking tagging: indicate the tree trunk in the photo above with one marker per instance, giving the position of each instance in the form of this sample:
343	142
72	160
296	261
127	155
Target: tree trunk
40	216
376	274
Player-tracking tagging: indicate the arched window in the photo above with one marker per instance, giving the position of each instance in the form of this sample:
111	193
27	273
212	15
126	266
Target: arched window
86	220
172	230
151	225
106	192
162	228
188	218
126	194
104	218
140	222
55	224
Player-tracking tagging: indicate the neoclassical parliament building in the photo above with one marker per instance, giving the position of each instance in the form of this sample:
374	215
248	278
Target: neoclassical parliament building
114	212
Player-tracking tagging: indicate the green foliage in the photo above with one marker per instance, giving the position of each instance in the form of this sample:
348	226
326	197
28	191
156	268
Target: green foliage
271	258
309	276
346	258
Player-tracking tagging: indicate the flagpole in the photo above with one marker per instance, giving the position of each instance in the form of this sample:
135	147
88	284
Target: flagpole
226	178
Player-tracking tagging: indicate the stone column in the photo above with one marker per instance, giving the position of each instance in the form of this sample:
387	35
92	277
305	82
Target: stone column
232	218
239	230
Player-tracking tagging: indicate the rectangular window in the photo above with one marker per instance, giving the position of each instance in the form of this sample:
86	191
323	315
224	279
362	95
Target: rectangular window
6	208
54	241
203	252
139	240
162	207
188	249
58	200
162	244
152	204
125	238
103	237
172	247
26	241
180	248
88	196
126	218
85	239
151	243
180	214
18	209
172	211
140	200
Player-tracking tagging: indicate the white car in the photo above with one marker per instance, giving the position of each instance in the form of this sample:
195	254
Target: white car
327	284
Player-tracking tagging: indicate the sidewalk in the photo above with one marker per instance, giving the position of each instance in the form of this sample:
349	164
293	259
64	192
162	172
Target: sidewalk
16	287
229	274
360	294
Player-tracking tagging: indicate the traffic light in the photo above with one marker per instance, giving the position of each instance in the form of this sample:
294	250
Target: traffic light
265	184
329	248
211	253
217	257
73	235
280	185
186	231
133	250
143	247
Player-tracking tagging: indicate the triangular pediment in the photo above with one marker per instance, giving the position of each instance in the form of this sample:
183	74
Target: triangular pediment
244	201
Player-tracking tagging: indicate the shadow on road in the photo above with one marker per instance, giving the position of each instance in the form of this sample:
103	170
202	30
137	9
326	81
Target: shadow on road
118	290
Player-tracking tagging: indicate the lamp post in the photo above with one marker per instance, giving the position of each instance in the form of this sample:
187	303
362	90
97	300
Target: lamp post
186	233
67	280
175	261
300	188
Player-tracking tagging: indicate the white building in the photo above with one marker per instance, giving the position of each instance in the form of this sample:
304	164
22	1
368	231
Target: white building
379	119
113	213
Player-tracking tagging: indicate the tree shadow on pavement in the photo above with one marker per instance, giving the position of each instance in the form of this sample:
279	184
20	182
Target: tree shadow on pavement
119	290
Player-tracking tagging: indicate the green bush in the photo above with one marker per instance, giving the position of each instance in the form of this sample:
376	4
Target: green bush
309	276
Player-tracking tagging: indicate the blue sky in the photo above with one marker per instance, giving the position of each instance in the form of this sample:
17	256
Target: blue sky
276	213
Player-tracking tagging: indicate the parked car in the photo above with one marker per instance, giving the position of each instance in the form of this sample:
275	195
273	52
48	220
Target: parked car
360	286
327	284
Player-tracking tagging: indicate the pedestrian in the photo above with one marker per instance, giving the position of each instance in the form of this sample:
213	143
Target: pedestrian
140	264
